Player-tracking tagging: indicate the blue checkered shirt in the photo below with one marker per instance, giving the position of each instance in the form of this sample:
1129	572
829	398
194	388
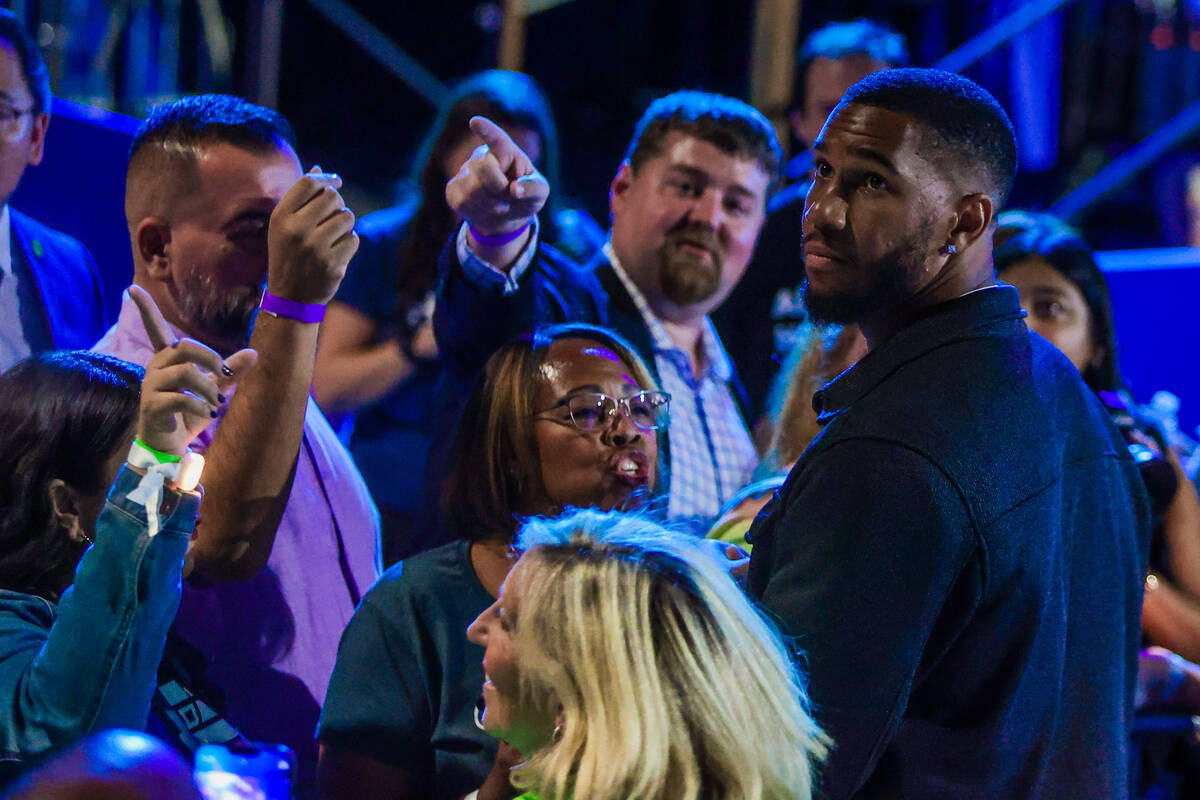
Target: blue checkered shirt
712	454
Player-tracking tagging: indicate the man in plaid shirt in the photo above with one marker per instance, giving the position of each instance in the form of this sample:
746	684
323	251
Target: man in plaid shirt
687	204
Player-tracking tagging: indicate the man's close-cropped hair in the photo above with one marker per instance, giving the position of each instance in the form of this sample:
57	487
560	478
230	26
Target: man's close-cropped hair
730	125
966	121
183	126
33	67
863	37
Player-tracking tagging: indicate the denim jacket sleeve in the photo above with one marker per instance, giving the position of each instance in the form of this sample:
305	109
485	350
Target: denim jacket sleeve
92	662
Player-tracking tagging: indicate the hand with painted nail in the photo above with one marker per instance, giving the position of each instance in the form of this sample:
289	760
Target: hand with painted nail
310	240
185	382
498	190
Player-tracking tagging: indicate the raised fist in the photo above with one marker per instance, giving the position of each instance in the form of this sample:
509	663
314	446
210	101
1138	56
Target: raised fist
310	240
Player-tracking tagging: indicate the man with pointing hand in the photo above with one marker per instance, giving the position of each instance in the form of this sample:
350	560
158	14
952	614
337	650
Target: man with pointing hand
217	205
687	204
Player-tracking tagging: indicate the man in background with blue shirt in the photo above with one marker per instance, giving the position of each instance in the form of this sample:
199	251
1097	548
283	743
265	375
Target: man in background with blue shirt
687	204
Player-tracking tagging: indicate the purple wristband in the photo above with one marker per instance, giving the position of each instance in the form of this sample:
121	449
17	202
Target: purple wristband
499	240
292	309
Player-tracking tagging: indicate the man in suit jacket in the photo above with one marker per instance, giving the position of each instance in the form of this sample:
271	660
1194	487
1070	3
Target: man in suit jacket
687	205
49	287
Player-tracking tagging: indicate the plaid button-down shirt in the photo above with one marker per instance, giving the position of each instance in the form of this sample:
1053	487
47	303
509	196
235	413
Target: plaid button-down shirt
712	454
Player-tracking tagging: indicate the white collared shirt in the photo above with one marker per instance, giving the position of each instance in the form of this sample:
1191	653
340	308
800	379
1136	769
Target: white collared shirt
14	345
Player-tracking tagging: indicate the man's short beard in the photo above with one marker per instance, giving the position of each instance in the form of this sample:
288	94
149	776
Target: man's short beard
224	315
687	277
888	288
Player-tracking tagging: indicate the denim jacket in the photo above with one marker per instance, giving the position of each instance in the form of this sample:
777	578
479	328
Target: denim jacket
89	662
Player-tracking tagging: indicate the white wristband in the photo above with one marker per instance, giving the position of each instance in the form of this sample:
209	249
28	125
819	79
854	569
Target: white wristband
185	474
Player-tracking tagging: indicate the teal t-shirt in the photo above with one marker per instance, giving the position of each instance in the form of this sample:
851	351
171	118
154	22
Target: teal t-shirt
406	681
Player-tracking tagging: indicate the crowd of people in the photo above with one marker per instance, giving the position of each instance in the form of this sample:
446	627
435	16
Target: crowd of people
566	552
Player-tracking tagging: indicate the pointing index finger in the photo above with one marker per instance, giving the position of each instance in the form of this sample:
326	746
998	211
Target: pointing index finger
157	329
498	141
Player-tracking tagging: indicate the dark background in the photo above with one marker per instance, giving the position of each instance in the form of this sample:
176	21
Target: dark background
1083	87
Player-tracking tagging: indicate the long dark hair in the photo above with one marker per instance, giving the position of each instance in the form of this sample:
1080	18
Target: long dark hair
511	100
62	415
1065	250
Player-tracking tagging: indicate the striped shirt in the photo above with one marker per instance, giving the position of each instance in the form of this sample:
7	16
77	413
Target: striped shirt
712	454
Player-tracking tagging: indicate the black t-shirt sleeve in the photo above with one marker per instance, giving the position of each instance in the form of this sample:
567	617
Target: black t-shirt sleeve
863	556
370	285
377	703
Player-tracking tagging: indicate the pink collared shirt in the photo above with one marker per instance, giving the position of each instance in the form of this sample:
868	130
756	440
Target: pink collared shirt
272	640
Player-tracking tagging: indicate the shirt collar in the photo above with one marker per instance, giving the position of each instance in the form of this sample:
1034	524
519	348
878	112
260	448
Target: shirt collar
942	324
716	360
133	332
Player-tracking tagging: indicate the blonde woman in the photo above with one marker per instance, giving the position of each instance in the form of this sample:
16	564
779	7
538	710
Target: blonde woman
624	662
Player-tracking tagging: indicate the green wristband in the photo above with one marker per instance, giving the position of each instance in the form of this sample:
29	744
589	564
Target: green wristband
159	455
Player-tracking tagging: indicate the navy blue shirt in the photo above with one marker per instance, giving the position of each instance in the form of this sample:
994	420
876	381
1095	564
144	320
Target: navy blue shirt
961	554
395	429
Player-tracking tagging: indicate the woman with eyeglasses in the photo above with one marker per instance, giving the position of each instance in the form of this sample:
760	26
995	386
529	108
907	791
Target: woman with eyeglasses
377	357
569	416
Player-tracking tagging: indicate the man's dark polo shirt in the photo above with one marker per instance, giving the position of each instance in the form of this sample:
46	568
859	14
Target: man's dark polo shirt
960	554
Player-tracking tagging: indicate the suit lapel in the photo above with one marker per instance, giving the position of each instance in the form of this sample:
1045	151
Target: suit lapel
27	255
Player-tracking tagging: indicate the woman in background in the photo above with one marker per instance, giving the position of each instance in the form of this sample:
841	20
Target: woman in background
624	662
377	355
1067	301
567	416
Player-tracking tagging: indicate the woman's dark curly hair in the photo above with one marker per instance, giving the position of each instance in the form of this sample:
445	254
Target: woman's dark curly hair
62	415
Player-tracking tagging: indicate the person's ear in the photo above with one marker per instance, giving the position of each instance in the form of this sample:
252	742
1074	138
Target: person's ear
972	221
153	239
64	509
620	187
37	138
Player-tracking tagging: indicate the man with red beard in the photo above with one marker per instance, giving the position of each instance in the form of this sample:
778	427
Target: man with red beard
687	204
218	209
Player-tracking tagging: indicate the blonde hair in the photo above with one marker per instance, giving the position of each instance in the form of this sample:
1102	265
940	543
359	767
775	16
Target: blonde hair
817	357
670	684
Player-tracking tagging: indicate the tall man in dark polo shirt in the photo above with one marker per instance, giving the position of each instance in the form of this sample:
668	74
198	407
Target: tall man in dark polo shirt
961	551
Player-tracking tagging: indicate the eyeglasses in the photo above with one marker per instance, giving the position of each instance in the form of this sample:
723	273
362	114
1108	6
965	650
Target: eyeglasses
12	121
592	411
